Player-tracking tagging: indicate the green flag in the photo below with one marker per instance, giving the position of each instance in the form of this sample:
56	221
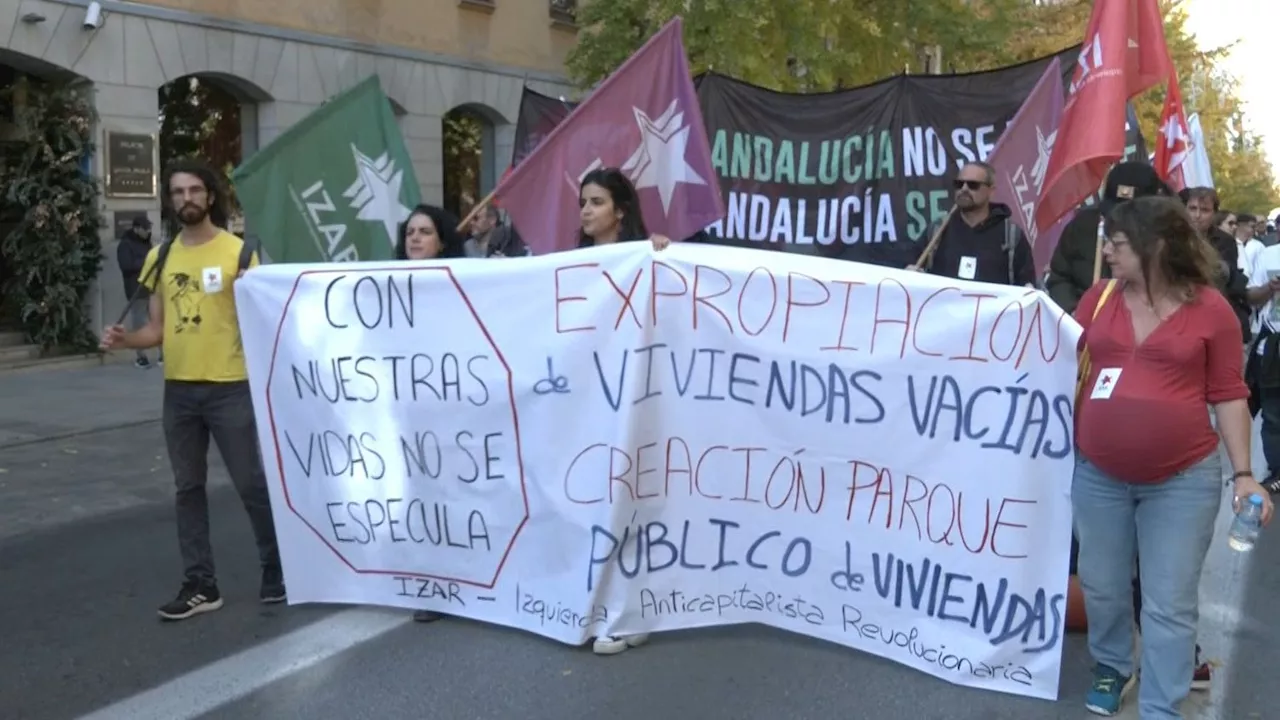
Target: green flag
333	187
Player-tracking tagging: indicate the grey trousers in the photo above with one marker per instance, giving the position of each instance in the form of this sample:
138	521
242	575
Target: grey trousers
139	314
194	411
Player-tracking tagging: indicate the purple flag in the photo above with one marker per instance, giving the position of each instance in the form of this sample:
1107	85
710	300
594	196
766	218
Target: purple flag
1021	158
644	119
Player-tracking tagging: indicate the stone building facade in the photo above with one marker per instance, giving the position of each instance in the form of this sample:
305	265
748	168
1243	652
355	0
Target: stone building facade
282	59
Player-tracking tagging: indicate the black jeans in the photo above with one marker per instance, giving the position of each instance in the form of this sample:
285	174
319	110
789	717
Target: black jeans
1270	412
194	411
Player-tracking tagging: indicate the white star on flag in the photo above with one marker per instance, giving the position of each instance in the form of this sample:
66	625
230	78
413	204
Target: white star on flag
1044	149
660	161
376	192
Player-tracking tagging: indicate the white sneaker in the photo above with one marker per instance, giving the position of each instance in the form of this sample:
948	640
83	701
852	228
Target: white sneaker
611	645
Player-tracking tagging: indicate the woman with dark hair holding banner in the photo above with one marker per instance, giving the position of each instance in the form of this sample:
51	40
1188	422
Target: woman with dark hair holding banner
1160	346
429	233
610	213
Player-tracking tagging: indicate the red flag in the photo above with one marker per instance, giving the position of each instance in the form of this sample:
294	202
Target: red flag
645	119
1175	138
1124	53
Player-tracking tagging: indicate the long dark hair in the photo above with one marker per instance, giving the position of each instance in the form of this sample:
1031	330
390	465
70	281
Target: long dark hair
1161	234
446	229
624	197
218	206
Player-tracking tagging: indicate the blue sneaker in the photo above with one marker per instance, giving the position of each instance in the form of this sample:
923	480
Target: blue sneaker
1107	693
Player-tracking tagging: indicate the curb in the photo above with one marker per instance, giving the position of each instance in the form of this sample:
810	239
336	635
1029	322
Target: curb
78	433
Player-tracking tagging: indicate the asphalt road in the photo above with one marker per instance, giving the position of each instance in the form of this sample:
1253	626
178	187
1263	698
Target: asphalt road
88	550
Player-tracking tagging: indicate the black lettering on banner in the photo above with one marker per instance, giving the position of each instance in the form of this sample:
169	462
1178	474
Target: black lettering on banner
331	454
412	520
831	392
1034	423
854	622
371	303
414	378
743	599
548	612
650	548
424	588
1034	622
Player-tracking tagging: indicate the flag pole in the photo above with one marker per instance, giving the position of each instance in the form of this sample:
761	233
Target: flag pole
1097	256
475	209
937	237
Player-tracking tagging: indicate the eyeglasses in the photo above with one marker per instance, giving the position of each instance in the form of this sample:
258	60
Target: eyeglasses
971	184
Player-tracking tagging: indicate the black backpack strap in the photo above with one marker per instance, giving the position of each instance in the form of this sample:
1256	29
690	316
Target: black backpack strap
248	248
157	269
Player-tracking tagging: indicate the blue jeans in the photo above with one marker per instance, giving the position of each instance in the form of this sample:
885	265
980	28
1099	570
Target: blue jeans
1170	526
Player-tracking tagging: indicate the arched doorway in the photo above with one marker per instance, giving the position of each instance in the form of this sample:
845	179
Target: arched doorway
470	157
213	117
49	217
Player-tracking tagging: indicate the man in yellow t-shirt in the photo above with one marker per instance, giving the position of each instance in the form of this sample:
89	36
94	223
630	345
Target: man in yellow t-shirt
206	393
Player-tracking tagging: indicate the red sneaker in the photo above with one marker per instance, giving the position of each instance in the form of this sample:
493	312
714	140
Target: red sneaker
1203	678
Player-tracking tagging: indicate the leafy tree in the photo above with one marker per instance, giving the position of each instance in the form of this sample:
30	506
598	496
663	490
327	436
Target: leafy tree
1241	173
797	45
463	135
820	45
51	250
200	119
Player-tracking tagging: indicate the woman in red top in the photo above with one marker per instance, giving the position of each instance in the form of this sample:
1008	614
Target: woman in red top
1164	346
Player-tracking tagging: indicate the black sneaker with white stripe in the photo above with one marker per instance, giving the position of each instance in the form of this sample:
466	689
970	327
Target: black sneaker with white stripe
1272	484
193	599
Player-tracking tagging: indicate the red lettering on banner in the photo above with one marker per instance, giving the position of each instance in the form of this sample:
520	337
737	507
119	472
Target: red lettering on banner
946	515
886	318
773	301
879	319
792	302
915	329
879	496
627	297
561	299
973	331
844	317
705	300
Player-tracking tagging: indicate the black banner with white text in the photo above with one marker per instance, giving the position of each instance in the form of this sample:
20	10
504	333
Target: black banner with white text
855	174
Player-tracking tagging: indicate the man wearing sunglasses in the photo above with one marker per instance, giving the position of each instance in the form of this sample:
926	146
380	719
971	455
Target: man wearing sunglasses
981	242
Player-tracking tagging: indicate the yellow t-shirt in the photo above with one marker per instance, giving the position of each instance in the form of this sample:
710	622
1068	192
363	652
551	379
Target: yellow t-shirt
201	330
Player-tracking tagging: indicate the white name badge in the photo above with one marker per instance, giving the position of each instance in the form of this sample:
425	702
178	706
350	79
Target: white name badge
211	278
968	267
1106	384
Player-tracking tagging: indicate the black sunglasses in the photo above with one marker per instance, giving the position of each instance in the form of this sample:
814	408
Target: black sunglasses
971	184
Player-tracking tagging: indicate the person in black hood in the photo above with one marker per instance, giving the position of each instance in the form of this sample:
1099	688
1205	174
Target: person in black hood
980	241
131	254
1071	269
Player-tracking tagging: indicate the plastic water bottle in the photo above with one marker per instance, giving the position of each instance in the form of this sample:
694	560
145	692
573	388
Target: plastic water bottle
1247	525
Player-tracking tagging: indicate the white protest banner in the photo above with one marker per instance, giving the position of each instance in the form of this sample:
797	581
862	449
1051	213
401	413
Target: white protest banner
616	441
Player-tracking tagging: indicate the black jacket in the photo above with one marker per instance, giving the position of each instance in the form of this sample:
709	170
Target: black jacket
996	246
1071	268
1232	282
131	253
